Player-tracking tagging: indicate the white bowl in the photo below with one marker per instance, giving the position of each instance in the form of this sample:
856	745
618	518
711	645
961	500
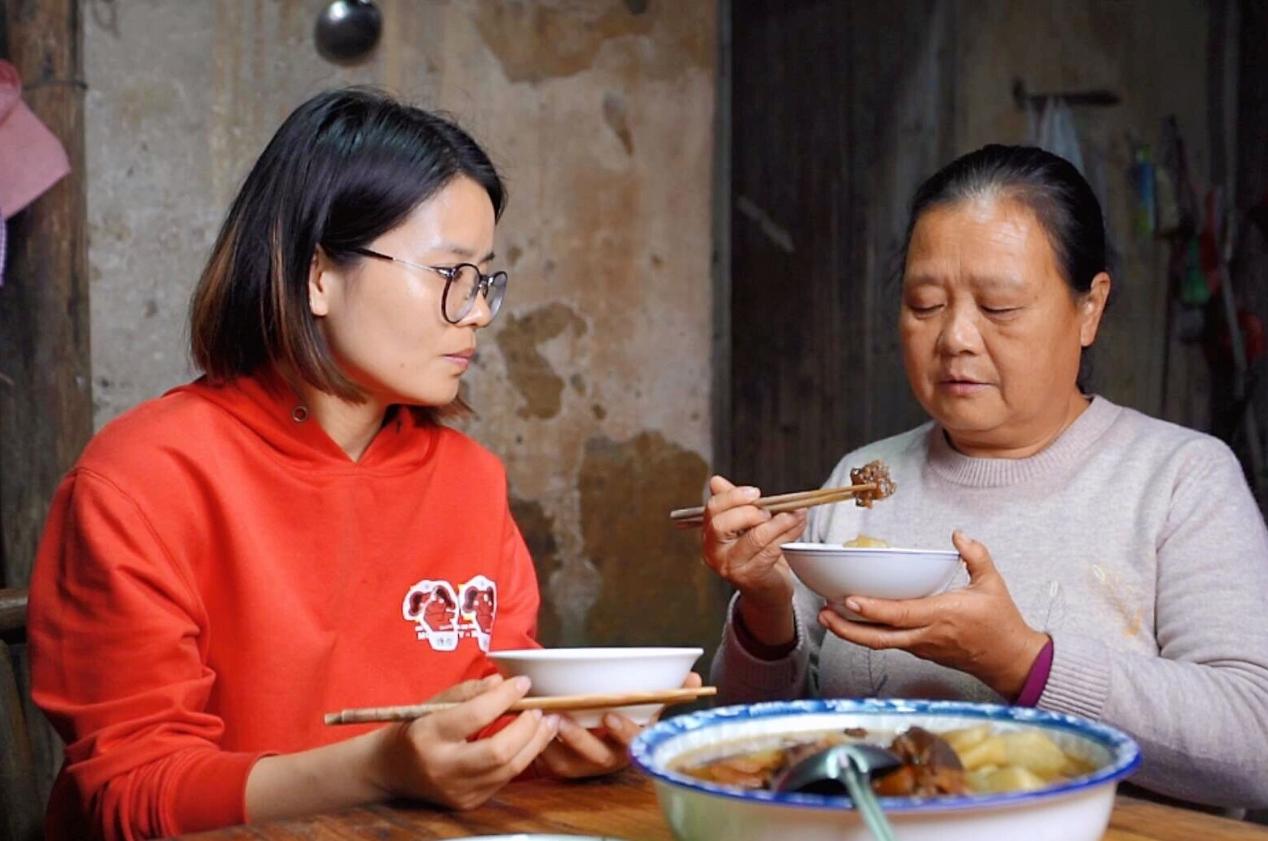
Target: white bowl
835	572
1076	810
583	671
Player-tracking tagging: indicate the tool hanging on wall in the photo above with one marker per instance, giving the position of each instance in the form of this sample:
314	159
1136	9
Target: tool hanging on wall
1203	231
1180	213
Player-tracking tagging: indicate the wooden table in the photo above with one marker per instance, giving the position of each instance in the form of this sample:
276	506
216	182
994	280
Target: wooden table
625	806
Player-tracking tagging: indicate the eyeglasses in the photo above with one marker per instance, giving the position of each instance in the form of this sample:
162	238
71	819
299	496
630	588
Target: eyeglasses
462	283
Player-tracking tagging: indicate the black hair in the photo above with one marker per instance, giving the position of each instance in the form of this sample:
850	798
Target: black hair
345	167
1049	185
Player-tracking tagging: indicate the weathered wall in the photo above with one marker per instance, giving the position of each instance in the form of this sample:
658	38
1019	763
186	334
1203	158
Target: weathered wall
592	383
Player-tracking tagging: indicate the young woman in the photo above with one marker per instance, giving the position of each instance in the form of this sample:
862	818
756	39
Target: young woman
296	532
1127	563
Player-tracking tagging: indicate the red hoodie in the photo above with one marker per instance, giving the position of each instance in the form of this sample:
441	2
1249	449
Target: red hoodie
215	576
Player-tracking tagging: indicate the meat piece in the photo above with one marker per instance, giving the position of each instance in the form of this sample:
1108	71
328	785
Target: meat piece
873	473
935	767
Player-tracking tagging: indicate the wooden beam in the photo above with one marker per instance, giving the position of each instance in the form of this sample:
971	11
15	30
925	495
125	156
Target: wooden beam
45	375
12	610
1250	195
20	809
1252	104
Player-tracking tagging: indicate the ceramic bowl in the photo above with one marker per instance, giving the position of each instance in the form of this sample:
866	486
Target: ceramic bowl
835	572
1075	810
582	671
534	836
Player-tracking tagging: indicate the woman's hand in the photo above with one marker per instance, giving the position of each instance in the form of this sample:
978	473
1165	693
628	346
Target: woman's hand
431	758
577	752
978	629
742	544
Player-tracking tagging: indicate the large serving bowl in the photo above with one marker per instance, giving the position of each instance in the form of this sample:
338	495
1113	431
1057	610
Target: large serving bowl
836	572
586	671
534	836
1076	810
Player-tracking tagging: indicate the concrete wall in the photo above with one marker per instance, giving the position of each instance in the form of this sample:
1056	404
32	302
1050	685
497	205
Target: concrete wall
592	384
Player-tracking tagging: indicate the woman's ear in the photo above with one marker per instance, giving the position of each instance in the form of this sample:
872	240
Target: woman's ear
320	282
1092	307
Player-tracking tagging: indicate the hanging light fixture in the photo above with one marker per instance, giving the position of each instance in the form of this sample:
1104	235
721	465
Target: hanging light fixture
348	30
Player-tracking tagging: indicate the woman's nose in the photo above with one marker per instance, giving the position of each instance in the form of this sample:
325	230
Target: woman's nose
480	314
959	333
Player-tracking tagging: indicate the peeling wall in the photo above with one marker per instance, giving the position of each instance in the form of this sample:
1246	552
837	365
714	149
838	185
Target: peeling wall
593	383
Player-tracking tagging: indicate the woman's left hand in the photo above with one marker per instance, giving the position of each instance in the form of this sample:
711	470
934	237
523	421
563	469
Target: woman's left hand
977	629
577	752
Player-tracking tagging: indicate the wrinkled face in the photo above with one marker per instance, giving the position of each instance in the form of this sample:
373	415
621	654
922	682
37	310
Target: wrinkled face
383	320
991	332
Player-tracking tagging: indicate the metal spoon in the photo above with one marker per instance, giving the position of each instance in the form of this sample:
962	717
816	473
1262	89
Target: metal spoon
850	765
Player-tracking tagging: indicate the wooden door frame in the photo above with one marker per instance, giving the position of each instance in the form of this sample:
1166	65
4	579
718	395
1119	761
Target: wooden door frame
45	364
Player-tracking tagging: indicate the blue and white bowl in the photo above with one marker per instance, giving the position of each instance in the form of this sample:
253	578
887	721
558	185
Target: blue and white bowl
1076	810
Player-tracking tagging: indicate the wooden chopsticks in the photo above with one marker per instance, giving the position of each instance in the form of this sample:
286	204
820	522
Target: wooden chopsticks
689	517
550	702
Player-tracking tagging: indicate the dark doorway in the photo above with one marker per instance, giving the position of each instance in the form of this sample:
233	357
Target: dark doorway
823	153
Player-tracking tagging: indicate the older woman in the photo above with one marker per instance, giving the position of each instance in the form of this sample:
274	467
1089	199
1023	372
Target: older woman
1117	565
297	531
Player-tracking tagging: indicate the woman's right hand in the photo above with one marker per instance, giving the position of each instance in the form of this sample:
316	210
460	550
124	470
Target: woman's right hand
430	758
742	544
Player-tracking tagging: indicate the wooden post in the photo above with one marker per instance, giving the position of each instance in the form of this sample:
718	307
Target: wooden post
21	810
45	376
1250	194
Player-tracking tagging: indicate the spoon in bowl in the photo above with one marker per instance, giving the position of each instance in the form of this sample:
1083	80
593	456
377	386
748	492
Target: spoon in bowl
852	766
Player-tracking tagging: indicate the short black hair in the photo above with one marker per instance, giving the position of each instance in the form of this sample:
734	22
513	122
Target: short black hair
345	167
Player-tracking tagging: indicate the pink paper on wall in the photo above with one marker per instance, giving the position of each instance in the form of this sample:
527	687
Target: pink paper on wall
31	157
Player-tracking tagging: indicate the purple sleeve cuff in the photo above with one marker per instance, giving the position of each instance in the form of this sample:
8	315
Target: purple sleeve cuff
752	646
1033	688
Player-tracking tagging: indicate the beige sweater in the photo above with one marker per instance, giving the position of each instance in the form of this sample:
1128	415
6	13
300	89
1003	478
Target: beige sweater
1134	543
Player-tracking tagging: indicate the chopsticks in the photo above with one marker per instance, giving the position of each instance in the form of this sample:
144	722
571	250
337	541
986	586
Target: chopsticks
600	700
689	517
